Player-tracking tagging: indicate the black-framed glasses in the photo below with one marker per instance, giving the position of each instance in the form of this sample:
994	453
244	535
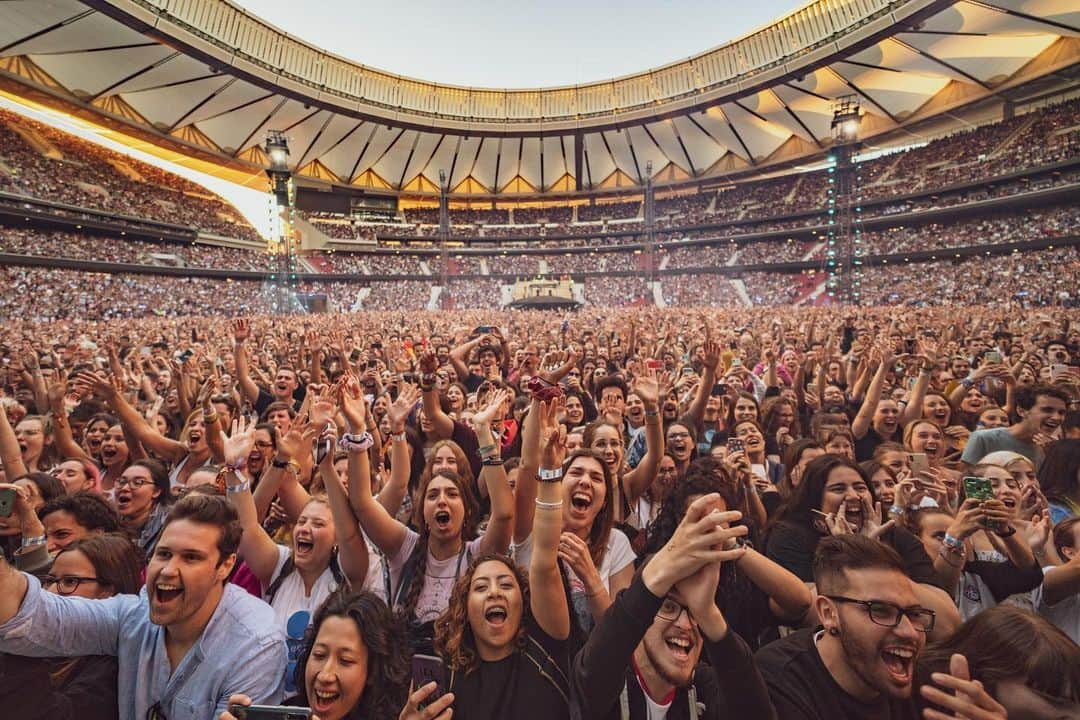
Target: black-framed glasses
156	712
264	444
67	584
671	611
888	615
133	482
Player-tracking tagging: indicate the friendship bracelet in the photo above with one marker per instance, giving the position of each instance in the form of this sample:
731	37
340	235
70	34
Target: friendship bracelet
237	466
493	461
485	449
652	413
398	437
896	510
242	487
548	505
357	443
29	542
549	476
954	544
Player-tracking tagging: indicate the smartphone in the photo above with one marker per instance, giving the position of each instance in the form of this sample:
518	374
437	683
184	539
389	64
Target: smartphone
735	445
736	362
322	447
542	390
978	488
269	712
918	463
483	329
354	355
1057	372
688	371
909	346
992	357
653	364
427	669
7	500
719	389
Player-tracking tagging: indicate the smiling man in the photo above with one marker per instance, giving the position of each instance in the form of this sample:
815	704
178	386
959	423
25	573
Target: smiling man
186	643
860	663
1041	409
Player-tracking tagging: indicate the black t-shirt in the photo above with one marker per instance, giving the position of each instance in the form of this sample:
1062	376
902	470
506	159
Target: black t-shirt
514	687
792	546
867	444
802	688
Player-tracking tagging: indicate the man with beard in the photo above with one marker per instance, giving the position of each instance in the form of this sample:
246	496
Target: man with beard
641	661
861	663
285	389
1041	409
186	643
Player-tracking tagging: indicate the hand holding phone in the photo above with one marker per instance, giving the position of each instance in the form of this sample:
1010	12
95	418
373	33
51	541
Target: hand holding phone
269	712
427	669
7	499
542	390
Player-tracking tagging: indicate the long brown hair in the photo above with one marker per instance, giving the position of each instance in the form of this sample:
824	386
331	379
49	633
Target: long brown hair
1005	643
454	640
468	532
605	518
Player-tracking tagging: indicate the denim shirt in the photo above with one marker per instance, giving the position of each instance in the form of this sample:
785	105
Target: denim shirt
241	650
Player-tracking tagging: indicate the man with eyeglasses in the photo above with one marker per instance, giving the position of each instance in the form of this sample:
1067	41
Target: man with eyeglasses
861	662
186	643
641	661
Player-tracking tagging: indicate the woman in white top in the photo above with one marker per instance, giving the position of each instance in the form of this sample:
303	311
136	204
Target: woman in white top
424	565
327	550
598	558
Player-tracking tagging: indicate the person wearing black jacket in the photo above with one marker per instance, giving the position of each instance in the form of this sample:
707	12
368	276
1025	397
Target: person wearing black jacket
641	660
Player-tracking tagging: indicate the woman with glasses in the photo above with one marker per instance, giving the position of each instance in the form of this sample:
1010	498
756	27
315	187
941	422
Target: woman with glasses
142	495
21	531
95	568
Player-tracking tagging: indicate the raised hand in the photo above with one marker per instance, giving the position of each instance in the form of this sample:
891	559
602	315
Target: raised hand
399	411
351	401
552	434
495	400
241	329
429	363
240	441
872	526
647	387
961	696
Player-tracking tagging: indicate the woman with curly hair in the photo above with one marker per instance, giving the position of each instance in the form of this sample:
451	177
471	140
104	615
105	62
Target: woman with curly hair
354	664
504	637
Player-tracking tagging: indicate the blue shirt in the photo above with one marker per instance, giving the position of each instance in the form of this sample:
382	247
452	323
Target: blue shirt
241	650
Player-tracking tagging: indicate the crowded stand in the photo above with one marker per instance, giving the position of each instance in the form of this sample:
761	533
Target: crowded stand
707	492
77	172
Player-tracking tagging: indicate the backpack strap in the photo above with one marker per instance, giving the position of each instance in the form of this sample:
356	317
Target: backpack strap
548	668
286	570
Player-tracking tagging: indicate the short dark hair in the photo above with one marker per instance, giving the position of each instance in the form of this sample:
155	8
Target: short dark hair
210	510
49	487
278	405
1027	395
840	553
1060	467
90	510
117	562
160	475
611	381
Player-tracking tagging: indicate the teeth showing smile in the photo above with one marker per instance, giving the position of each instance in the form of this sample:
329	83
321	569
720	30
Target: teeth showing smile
679	647
495	615
581	500
899	660
165	592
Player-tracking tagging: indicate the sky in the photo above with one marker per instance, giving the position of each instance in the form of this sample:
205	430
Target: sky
488	43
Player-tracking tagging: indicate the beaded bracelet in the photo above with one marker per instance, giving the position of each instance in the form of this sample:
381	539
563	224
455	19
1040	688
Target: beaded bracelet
548	505
357	443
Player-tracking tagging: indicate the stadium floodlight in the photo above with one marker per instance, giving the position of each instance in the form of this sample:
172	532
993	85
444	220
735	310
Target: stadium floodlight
277	149
846	119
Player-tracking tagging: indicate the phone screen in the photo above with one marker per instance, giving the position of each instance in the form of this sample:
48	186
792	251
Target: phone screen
427	669
269	712
978	488
7	500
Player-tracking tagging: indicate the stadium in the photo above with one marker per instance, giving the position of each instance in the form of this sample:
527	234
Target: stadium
717	180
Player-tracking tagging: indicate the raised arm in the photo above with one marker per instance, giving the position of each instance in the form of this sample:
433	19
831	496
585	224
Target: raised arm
241	332
10	455
635	482
257	548
696	411
393	492
525	492
493	475
442	423
861	424
352	550
913	409
62	437
379	525
460	354
130	418
547	598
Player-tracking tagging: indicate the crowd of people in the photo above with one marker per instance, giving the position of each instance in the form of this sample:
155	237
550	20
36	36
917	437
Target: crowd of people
639	512
66	169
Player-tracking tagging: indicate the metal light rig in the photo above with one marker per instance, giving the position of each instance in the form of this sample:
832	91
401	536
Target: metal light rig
650	224
444	237
283	245
844	255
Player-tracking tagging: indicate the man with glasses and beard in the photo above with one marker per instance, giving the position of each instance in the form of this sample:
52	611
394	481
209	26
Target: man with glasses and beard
186	643
860	663
641	660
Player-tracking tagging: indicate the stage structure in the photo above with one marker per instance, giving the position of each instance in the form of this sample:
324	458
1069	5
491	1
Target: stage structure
650	224
283	245
544	294
844	252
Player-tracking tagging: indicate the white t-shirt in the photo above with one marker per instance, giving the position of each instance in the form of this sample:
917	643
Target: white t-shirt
294	608
655	710
617	556
440	575
974	596
1065	614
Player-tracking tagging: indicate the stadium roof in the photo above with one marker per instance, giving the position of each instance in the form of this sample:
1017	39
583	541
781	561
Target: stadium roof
206	76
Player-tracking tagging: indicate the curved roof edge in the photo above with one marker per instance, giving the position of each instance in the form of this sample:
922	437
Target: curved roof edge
242	41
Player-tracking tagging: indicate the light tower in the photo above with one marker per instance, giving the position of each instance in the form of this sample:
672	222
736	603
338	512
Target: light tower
844	257
282	247
650	224
444	236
